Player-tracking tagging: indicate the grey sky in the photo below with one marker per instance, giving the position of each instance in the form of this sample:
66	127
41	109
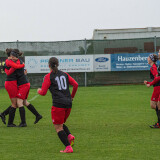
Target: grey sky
60	20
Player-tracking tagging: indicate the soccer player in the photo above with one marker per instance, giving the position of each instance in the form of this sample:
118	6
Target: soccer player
155	99
23	90
11	87
58	84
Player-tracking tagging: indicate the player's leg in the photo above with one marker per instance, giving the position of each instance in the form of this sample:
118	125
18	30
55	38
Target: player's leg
71	138
21	112
11	87
4	113
154	104
69	135
58	115
158	104
23	91
63	137
33	110
157	125
12	111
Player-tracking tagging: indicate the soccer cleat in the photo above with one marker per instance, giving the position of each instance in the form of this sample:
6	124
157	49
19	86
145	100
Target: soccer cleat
3	118
71	139
11	125
68	149
22	125
37	119
157	125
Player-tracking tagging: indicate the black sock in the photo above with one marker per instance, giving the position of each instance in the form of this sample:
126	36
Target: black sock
11	115
33	110
22	114
66	129
159	116
63	137
5	112
156	110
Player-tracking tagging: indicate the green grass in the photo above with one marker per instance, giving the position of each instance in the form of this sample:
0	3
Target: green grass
109	122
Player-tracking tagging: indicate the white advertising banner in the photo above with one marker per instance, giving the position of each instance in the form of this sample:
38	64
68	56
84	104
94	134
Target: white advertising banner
102	62
67	63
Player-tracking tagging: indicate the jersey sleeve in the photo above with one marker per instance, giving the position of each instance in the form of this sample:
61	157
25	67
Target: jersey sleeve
10	71
74	84
45	85
10	63
154	71
156	79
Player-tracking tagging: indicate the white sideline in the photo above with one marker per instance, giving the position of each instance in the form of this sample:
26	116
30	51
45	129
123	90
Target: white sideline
33	98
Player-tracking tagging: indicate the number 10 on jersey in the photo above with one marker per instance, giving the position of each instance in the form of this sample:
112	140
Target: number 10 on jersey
61	81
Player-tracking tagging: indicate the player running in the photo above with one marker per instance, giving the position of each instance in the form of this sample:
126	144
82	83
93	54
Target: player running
155	99
58	84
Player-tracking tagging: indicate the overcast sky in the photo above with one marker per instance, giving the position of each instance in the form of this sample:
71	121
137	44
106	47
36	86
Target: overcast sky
60	20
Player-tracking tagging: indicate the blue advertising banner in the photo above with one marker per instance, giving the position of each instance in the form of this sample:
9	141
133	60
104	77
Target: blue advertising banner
129	62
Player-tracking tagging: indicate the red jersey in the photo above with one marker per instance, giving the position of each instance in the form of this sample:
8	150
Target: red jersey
18	73
154	74
156	80
11	76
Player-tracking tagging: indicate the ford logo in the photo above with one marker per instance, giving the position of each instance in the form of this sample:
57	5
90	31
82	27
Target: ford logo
101	59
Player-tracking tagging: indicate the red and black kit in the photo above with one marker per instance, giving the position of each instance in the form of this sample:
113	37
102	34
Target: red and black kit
17	75
11	80
156	92
154	74
58	84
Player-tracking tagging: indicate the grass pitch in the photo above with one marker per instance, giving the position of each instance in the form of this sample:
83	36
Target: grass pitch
109	122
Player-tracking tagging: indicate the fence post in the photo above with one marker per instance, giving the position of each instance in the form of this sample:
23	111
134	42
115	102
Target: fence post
17	44
155	44
85	74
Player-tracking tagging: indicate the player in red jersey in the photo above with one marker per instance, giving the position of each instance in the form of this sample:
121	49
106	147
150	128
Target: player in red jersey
11	87
23	90
155	104
58	84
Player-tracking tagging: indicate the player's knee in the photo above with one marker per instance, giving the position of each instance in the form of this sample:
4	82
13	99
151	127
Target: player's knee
153	106
26	103
58	127
14	105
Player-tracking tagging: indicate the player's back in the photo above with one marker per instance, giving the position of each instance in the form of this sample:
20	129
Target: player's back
60	90
21	77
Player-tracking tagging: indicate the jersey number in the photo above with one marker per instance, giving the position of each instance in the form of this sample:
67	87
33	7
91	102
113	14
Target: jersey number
61	82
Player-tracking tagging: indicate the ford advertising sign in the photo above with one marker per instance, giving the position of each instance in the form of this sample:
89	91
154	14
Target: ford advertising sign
102	62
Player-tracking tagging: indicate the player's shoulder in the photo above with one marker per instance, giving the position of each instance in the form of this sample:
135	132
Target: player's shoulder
20	61
154	66
7	60
47	75
62	73
66	73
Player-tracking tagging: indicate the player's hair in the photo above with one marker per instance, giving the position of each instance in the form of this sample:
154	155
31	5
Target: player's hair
53	63
8	51
16	53
153	57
